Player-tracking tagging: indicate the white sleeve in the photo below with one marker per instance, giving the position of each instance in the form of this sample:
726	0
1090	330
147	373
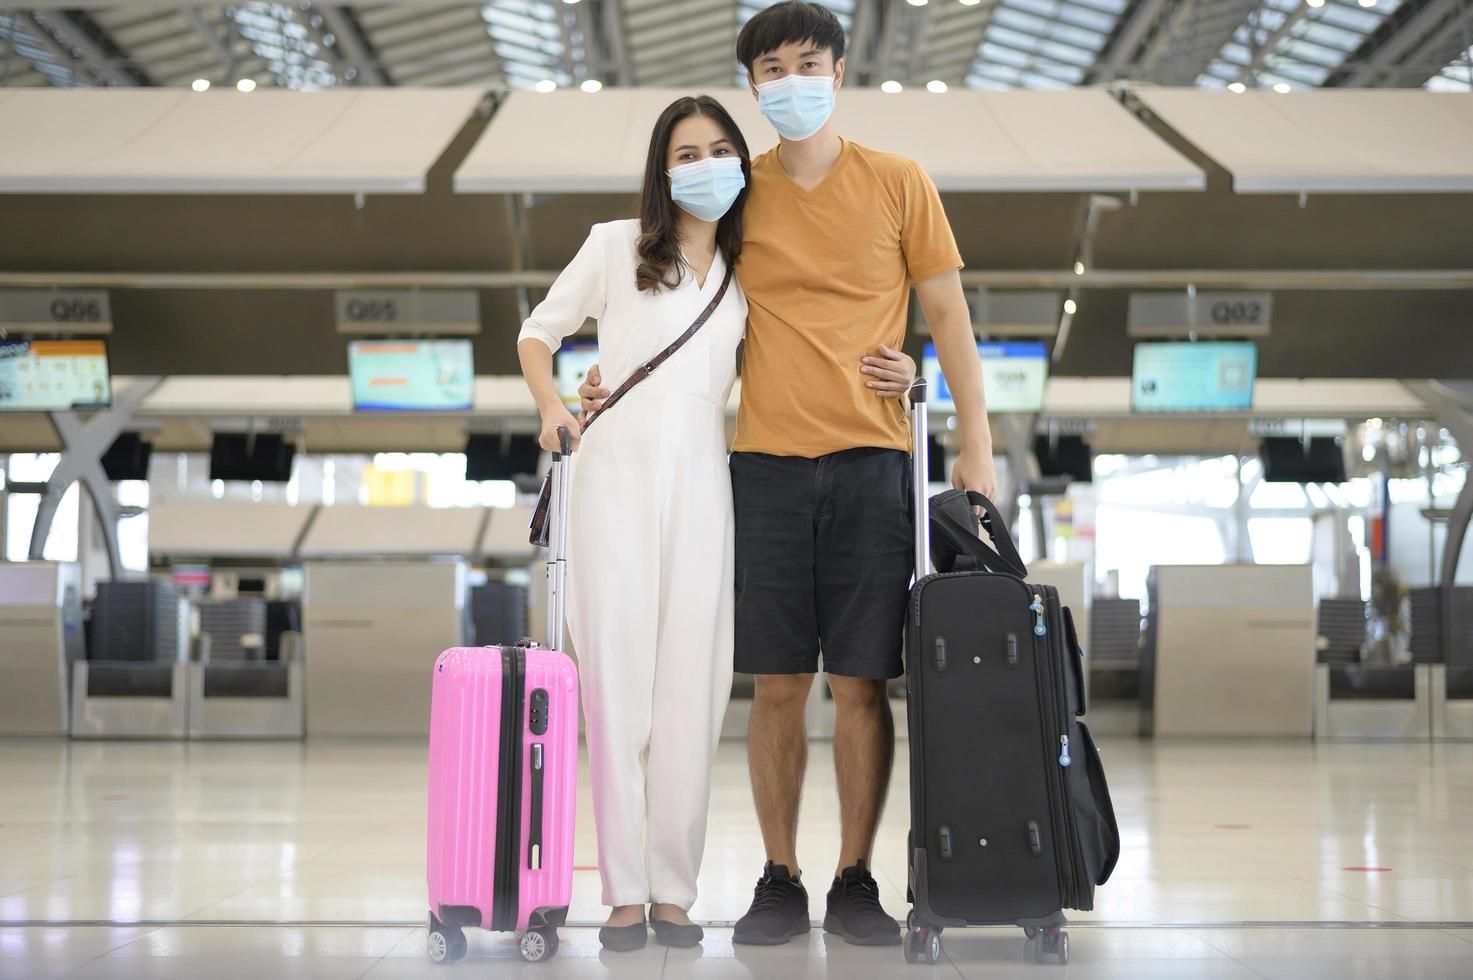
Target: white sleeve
580	292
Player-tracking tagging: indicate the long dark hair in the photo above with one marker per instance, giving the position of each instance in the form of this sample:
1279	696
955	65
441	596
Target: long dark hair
659	242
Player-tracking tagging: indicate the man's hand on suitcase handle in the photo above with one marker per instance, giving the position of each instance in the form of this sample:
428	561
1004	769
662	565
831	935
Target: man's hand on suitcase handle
975	470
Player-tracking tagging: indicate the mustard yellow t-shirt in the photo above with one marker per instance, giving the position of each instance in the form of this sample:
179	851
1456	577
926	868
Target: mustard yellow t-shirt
827	275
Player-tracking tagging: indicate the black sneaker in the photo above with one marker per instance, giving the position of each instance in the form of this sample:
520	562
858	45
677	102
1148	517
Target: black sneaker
854	910
779	910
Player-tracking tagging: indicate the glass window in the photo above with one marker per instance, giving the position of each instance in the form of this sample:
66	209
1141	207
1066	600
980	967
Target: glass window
1280	540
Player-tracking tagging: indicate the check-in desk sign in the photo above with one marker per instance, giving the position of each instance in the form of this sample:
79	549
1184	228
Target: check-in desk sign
1205	315
400	312
73	312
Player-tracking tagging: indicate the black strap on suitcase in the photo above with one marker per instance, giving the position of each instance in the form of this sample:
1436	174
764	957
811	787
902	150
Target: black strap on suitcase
1011	819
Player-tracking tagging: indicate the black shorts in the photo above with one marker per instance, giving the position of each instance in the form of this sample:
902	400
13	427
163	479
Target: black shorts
823	562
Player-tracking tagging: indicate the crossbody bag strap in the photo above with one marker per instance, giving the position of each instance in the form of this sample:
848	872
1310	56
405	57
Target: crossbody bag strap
648	368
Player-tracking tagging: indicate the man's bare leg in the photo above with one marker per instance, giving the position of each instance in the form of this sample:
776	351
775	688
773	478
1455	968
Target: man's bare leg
777	757
864	751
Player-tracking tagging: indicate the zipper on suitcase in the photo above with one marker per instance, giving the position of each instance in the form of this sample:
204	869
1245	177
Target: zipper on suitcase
1061	851
1066	719
506	880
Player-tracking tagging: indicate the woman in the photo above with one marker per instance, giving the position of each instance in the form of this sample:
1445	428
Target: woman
650	532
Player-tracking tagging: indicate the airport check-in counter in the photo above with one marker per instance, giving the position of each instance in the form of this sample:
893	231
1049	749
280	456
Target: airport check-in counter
135	680
1354	699
40	635
1451	693
235	690
1230	651
1442	643
372	631
1114	656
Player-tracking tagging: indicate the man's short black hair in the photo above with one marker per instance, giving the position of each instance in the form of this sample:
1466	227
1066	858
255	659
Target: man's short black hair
789	22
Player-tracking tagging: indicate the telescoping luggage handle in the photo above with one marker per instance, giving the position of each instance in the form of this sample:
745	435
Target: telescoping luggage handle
1001	555
557	541
920	470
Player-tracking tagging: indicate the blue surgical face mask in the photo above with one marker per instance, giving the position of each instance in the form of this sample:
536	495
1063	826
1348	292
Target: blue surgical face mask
707	188
797	105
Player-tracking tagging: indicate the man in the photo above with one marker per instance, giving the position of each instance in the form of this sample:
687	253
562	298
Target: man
835	237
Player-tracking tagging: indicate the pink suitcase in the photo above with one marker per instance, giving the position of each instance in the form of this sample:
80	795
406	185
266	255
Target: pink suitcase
503	779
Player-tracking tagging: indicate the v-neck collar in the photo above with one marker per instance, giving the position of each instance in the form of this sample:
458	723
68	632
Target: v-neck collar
715	269
844	152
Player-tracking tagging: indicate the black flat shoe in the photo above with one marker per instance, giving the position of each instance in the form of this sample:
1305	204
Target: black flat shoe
676	935
624	939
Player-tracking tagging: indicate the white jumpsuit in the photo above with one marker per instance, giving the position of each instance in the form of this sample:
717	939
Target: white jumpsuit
650	561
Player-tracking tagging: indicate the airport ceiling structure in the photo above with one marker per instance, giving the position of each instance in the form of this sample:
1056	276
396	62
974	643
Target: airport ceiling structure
548	44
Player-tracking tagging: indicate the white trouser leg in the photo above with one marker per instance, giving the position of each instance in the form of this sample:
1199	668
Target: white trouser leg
692	673
613	574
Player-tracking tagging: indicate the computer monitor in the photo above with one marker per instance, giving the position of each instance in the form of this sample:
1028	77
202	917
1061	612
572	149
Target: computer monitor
128	457
53	375
1206	376
574	359
411	375
240	456
1065	456
1013	376
1289	460
498	457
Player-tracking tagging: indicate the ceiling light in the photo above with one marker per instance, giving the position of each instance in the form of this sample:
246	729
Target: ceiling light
917	3
546	85
1316	3
1367	3
591	85
1078	267
936	85
1237	88
200	85
970	3
246	85
891	87
1281	87
1071	307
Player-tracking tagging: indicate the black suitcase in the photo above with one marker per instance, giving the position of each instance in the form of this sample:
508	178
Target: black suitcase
1011	819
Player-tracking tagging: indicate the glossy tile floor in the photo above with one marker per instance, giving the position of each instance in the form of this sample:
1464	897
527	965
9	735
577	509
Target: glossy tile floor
285	860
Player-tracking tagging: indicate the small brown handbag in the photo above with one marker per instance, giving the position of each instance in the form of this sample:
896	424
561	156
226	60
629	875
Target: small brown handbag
539	530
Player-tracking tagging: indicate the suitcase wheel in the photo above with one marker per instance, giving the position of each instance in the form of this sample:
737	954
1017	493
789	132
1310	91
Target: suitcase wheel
922	944
1052	942
538	944
445	944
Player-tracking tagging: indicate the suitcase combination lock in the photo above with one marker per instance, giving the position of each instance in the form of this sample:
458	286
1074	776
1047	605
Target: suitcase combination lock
538	720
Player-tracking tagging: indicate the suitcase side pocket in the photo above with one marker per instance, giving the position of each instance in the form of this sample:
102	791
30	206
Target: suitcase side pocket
1094	814
1074	663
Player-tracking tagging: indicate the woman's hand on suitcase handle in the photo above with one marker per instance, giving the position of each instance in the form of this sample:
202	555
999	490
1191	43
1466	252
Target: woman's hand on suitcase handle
590	394
891	372
556	417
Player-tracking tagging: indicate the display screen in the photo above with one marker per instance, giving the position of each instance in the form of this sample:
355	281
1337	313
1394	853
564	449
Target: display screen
573	362
411	375
1013	376
53	375
1290	460
1210	376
